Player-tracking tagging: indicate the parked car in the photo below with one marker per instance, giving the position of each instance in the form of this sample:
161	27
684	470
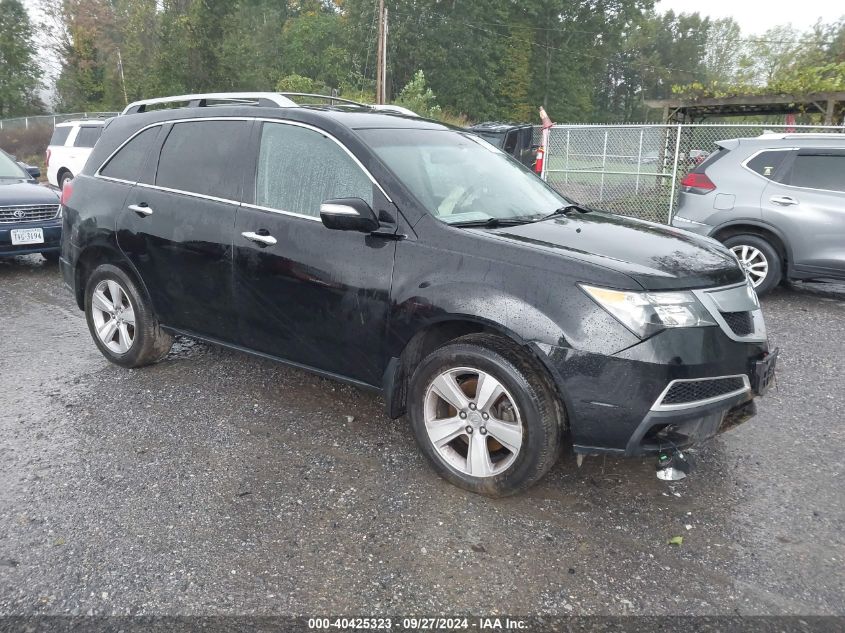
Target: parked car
777	201
514	139
30	218
70	147
413	259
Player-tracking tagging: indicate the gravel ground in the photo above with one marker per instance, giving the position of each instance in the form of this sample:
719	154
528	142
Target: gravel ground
217	483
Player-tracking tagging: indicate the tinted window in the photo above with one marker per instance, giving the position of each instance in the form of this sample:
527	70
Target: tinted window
87	135
60	135
298	169
819	171
707	162
767	163
200	157
127	163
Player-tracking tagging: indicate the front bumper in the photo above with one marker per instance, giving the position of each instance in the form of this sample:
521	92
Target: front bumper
52	238
616	404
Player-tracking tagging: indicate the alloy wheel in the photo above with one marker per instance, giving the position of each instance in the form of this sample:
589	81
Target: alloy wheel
753	261
473	422
114	316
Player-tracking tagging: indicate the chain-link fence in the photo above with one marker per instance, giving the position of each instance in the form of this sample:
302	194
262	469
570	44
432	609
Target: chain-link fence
637	169
26	122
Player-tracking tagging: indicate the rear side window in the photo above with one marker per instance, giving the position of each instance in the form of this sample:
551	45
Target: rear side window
819	171
767	163
199	157
60	135
87	135
129	160
299	169
707	162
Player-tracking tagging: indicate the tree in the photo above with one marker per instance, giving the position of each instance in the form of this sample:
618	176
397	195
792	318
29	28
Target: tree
19	71
418	97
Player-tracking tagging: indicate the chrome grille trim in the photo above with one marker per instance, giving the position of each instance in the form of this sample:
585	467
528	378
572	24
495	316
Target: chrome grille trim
735	298
15	214
659	406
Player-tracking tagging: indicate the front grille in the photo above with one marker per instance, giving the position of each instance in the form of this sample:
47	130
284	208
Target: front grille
28	213
695	390
741	323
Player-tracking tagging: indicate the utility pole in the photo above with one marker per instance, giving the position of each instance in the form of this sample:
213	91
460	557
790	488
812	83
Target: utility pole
381	62
122	78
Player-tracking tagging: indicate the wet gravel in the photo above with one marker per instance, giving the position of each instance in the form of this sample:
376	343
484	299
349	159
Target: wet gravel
217	483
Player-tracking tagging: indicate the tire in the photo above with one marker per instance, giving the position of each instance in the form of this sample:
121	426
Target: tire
63	178
122	343
51	256
527	416
758	251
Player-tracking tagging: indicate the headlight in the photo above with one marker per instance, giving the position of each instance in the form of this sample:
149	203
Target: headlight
646	313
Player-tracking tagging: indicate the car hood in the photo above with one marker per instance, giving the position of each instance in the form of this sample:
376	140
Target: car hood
657	257
17	192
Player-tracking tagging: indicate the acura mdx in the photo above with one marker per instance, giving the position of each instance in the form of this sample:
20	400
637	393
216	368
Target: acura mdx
419	261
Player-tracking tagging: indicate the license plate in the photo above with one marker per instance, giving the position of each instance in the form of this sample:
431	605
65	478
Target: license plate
764	372
27	236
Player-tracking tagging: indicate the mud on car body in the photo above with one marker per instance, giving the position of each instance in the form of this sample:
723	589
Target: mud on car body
413	259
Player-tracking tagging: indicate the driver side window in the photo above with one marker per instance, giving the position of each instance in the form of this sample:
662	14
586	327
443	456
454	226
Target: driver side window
299	168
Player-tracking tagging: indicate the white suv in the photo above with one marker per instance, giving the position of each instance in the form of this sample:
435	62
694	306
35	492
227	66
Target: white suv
69	148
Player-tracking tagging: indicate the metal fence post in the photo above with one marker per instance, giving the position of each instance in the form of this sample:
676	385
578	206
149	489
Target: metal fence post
674	175
639	161
566	174
603	165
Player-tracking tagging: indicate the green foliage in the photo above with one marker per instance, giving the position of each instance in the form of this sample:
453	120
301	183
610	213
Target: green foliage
418	97
19	72
590	60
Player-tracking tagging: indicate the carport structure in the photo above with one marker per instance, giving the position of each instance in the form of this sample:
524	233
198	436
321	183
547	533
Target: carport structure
829	104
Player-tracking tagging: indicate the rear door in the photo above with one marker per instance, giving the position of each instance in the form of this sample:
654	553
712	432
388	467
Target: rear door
308	294
808	205
176	226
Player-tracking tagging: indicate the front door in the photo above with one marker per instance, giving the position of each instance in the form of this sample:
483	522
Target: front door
178	230
305	293
809	207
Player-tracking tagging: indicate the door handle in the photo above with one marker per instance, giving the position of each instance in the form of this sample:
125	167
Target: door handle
141	209
784	201
265	240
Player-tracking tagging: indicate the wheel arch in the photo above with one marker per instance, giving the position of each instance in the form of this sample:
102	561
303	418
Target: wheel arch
93	256
766	231
437	333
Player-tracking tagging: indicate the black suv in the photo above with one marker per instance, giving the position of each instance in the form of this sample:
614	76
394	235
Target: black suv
413	259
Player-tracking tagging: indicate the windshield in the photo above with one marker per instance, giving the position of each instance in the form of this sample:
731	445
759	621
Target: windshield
461	178
10	169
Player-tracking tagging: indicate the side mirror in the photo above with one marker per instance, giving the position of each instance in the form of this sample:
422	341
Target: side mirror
32	170
348	214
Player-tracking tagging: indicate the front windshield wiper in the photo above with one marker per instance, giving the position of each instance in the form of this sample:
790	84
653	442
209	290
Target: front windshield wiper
491	223
566	210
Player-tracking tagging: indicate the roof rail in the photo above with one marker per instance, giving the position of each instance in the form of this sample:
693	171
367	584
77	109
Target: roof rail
331	99
212	99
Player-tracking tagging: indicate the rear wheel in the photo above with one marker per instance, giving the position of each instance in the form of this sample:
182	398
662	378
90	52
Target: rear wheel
121	321
64	177
761	261
485	416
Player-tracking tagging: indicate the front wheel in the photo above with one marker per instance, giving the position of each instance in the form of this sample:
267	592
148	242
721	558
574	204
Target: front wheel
759	259
121	320
485	416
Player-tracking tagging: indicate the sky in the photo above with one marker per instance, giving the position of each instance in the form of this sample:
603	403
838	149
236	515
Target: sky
755	16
